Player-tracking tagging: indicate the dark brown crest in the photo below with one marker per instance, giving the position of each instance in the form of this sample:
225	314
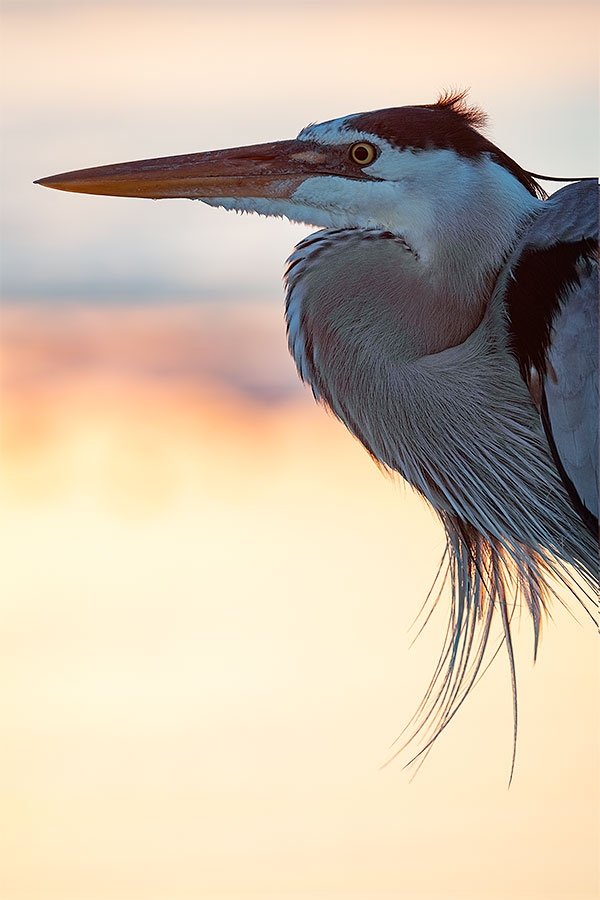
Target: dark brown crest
448	124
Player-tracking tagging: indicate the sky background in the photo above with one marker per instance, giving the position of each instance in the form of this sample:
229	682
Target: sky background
207	587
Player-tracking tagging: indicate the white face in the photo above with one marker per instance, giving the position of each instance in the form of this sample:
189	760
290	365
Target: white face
348	203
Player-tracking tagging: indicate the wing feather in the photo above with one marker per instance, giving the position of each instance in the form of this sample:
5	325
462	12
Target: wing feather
551	291
571	390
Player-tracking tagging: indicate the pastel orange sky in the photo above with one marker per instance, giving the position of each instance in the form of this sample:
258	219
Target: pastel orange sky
207	586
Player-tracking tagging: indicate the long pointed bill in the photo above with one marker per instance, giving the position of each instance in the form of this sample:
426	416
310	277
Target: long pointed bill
262	170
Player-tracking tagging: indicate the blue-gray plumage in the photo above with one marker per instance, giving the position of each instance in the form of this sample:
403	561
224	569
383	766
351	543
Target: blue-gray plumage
560	246
447	314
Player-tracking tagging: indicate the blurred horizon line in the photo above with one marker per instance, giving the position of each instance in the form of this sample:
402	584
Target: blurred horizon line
137	293
239	347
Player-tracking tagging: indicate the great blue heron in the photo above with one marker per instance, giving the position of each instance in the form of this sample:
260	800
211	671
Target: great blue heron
448	314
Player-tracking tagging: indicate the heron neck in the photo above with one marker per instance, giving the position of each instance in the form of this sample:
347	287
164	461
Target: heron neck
365	296
466	233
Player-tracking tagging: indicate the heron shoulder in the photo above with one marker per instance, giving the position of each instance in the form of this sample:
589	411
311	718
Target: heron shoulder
550	290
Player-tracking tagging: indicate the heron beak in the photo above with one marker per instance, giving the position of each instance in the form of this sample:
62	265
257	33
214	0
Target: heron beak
262	170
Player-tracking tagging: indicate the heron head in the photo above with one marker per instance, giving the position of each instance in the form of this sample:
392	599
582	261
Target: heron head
425	173
347	172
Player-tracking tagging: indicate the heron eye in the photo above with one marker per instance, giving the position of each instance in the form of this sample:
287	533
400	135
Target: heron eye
363	153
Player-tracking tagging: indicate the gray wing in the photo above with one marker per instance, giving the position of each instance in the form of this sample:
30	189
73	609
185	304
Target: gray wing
552	300
571	389
569	216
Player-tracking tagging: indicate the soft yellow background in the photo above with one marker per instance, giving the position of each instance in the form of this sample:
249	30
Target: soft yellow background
207	587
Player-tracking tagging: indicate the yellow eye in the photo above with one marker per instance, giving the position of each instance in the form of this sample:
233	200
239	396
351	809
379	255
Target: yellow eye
363	153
